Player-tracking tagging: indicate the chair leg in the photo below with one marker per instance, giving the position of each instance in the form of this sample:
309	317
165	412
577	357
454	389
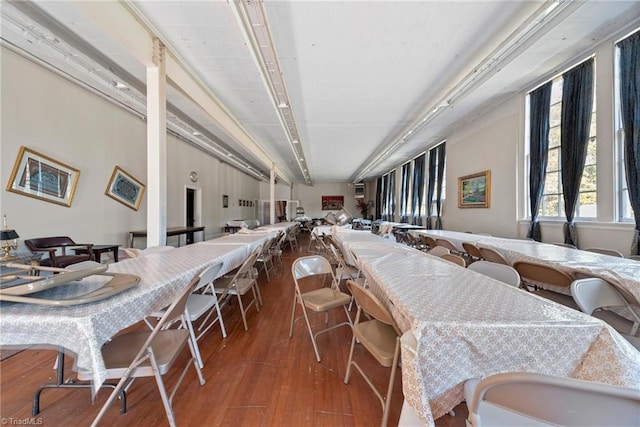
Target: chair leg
293	314
192	337
244	317
387	400
348	374
163	392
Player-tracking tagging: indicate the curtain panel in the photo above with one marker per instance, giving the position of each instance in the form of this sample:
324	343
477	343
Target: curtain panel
385	197
378	213
418	189
630	109
577	108
392	196
440	171
431	185
539	106
404	192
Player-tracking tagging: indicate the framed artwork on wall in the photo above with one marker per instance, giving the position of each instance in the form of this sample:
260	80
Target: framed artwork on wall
474	191
41	177
124	188
332	203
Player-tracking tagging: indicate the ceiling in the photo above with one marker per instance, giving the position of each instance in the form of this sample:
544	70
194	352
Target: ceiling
322	91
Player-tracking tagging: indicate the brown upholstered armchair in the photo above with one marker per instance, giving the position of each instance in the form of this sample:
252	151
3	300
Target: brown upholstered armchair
51	245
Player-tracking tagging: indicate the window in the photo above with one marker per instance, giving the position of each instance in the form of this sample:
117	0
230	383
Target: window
552	204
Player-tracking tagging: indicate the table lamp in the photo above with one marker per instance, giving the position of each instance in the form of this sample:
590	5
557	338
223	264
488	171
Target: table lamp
5	236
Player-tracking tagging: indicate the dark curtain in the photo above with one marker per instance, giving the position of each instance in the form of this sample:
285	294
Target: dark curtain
385	197
418	189
378	213
440	149
392	196
539	101
431	185
630	108
404	193
577	108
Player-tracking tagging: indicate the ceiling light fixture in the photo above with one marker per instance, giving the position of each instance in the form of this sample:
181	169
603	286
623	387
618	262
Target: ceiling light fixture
252	20
527	33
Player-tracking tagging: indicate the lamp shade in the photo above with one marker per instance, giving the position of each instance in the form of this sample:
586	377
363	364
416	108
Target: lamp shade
8	235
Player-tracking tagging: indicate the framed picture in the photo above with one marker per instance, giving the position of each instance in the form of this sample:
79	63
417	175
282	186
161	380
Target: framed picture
332	203
474	191
124	188
225	201
41	177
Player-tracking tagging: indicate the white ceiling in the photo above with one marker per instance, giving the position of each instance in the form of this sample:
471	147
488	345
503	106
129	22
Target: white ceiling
359	75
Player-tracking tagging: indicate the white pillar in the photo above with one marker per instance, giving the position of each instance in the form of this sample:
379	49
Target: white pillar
272	195
156	149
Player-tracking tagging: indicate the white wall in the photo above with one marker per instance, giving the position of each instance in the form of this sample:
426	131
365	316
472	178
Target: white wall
54	117
489	143
310	197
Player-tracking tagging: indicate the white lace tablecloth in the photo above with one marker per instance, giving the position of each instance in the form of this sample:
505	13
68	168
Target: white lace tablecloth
468	325
82	329
623	272
280	226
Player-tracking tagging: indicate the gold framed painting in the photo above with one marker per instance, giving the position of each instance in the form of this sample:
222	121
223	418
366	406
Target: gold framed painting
125	188
474	191
41	177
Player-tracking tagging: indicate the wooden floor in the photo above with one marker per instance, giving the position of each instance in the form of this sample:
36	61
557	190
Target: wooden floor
256	378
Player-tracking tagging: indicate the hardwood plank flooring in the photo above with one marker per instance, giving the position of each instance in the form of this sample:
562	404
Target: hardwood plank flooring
260	377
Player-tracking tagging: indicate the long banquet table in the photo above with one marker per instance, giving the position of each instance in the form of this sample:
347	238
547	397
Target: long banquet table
467	325
620	271
83	329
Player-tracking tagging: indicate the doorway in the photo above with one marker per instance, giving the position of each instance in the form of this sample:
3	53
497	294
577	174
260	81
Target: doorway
192	210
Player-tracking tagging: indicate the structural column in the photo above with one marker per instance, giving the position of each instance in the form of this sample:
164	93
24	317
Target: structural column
156	148
272	195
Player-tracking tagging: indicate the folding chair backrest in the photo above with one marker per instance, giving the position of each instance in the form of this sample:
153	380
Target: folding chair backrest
447	244
310	266
371	305
594	293
501	272
492	255
438	251
558	400
472	250
542	273
337	256
208	275
176	308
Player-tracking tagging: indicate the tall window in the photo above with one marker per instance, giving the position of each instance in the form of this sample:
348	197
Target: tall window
552	204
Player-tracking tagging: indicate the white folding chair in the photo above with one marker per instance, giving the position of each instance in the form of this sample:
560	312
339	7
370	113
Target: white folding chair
149	354
594	296
501	272
243	281
530	399
320	300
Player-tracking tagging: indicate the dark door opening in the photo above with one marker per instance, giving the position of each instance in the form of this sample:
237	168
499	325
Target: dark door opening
191	216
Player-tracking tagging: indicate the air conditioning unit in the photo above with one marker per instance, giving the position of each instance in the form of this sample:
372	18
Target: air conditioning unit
359	191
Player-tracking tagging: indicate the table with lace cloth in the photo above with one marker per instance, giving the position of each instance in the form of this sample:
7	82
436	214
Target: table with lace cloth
622	272
82	329
468	325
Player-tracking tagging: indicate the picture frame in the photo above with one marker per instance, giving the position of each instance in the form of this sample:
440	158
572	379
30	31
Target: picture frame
225	201
332	203
474	191
42	177
125	188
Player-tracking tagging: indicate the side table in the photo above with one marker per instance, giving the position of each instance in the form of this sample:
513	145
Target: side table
98	250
